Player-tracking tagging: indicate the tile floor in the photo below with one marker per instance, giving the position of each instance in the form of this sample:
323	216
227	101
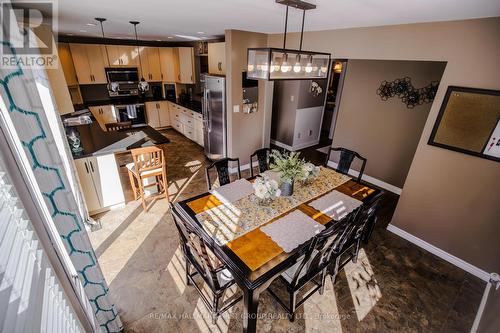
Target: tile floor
394	287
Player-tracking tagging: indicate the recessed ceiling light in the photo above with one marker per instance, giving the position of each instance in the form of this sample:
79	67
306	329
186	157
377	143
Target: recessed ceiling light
70	34
201	32
81	30
158	40
91	24
170	37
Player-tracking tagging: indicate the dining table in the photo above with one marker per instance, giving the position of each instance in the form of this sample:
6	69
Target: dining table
233	230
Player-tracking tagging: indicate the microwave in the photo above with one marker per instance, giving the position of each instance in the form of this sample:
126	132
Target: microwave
122	81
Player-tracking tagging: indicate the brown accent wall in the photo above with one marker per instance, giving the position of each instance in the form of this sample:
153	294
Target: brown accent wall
449	199
245	131
490	321
385	132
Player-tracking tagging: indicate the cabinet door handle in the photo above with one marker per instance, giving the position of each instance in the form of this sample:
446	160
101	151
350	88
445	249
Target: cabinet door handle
86	167
91	166
219	66
161	75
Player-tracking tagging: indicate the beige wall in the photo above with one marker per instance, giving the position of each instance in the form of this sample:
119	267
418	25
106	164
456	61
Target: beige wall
386	132
449	199
245	131
490	321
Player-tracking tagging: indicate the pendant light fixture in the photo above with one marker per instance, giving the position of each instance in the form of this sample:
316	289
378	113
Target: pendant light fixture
143	84
288	64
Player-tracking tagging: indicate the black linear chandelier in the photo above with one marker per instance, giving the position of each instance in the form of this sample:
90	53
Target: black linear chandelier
288	64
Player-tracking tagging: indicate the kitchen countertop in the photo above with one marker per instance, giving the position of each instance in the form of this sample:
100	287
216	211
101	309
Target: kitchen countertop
192	105
96	141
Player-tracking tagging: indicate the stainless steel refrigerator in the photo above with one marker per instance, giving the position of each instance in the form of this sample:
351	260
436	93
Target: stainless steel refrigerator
214	116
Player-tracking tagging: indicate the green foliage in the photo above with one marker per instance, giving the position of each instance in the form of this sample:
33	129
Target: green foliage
289	165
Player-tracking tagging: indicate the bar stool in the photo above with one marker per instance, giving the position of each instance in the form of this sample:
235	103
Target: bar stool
148	162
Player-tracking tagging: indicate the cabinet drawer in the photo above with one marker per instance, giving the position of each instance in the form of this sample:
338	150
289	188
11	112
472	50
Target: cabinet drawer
177	125
190	133
187	120
198	116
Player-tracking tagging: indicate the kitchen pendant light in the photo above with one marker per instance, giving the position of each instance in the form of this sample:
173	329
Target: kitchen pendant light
288	64
143	84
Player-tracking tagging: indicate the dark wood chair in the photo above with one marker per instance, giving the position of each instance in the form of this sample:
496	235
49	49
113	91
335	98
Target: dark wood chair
199	255
222	168
365	221
345	161
312	267
262	160
118	126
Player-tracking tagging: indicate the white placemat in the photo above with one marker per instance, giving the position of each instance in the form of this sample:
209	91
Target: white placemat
292	230
335	204
234	191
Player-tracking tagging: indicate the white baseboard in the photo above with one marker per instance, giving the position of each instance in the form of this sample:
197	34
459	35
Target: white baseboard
374	181
242	167
440	253
294	148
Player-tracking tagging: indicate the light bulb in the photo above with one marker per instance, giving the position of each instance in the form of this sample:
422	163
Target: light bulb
276	68
297	67
264	67
272	68
285	67
308	68
250	67
323	69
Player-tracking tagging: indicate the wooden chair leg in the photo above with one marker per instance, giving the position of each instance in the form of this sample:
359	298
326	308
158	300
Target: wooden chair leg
165	183
131	177
143	195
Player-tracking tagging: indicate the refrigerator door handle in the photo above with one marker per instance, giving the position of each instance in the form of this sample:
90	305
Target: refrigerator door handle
207	101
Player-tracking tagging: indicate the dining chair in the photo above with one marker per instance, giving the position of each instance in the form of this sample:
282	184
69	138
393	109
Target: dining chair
118	126
312	266
366	217
222	168
147	162
345	160
262	160
199	255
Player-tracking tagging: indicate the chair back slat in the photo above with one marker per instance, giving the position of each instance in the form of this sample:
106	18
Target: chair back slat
222	168
118	126
148	158
263	160
345	160
195	249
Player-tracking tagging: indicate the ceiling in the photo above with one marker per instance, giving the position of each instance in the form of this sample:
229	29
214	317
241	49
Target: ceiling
185	20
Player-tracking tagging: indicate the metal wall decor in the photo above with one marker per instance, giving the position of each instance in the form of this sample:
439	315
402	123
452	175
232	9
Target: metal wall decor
408	94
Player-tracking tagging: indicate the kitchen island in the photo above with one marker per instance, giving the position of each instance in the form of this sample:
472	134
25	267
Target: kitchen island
101	157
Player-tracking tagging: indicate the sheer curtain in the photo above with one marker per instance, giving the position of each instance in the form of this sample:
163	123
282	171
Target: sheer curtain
30	112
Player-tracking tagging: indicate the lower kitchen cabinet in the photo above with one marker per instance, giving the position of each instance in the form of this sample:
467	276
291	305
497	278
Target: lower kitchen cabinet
187	122
104	114
158	114
100	182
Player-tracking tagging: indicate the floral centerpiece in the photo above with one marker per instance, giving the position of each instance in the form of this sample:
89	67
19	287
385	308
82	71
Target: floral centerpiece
309	172
266	189
289	165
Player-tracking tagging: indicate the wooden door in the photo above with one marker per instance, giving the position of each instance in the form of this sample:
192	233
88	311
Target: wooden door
186	64
67	64
81	62
98	113
129	56
114	55
107	180
169	70
144	68
108	114
154	64
216	58
97	58
152	114
84	171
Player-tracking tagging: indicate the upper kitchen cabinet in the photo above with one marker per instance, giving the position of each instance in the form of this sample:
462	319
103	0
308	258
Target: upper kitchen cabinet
186	65
150	58
169	64
217	58
123	55
67	64
90	61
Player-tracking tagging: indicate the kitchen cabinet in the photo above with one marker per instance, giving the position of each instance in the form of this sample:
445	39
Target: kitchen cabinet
104	114
67	64
150	58
90	61
168	64
186	65
157	114
217	58
187	122
100	181
123	55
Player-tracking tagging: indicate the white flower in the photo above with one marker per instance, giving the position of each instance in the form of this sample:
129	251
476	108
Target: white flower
278	193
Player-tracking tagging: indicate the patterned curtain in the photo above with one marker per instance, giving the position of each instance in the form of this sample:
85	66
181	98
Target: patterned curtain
26	98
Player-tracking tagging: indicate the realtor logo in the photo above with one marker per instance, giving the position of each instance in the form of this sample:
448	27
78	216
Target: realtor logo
27	34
